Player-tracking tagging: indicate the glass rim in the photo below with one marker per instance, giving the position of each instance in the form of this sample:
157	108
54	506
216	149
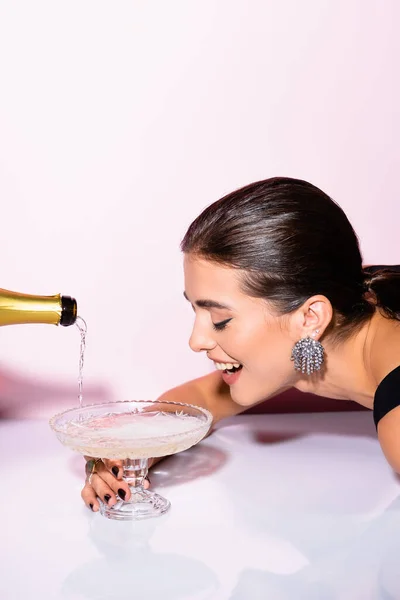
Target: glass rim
204	411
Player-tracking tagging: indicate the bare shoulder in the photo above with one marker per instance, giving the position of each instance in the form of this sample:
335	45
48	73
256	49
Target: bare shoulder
388	436
386	359
386	352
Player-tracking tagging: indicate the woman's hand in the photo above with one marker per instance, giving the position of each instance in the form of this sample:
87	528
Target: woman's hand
104	480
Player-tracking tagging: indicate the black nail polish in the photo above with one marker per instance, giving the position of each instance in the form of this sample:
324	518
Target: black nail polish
121	493
107	498
91	506
115	470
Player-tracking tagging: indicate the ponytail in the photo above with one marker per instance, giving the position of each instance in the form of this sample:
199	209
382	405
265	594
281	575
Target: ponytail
382	288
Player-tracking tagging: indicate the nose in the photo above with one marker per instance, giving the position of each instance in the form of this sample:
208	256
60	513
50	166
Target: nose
201	339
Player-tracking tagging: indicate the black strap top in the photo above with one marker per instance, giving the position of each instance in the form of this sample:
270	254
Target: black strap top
387	395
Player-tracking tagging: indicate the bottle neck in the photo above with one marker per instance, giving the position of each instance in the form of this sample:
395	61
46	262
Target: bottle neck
69	311
16	308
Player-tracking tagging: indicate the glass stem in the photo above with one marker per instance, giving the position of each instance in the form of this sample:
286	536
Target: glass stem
135	471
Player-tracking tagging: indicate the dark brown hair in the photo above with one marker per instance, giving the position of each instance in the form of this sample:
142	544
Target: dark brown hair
292	241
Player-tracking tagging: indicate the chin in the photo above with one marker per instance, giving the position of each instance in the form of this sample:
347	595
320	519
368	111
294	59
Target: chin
250	397
247	399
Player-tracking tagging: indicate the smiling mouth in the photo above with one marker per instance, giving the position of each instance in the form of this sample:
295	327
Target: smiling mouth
228	367
233	369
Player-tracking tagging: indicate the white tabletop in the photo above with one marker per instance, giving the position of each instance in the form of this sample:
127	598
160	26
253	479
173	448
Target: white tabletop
269	507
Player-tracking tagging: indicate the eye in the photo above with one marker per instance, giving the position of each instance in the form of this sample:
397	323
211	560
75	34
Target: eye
221	325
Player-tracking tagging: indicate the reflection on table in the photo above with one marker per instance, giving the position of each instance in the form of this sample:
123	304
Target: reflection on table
287	507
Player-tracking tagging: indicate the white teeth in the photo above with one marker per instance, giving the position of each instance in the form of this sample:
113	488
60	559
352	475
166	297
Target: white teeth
224	366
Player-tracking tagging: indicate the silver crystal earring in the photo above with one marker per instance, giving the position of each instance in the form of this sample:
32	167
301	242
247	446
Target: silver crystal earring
308	355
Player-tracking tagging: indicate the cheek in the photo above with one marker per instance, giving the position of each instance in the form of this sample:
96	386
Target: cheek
267	361
250	338
265	354
263	348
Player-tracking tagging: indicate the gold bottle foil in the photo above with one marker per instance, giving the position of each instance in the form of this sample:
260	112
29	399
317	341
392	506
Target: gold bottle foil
16	308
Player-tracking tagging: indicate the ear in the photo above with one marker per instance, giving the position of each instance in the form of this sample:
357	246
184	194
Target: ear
312	318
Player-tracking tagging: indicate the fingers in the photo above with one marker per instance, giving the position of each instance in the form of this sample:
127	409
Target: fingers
107	487
103	483
89	497
114	466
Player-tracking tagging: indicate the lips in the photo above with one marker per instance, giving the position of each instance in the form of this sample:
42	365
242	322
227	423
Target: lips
231	377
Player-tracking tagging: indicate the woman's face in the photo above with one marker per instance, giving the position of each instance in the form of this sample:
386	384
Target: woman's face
235	329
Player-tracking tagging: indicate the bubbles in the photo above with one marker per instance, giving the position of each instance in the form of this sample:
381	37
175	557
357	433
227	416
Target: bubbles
132	434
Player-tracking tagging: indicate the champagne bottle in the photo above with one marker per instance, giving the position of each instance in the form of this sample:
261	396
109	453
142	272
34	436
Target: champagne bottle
16	308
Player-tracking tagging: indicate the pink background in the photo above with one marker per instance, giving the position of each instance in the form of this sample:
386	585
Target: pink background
120	121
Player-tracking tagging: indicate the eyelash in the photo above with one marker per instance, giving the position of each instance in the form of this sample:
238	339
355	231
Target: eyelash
221	325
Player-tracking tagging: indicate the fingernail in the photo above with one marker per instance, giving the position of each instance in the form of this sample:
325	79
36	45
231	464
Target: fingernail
148	479
115	470
107	498
121	493
91	507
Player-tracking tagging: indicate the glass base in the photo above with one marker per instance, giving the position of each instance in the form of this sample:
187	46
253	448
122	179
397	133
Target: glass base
142	505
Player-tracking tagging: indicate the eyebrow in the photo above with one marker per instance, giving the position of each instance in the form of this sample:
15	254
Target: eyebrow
208	303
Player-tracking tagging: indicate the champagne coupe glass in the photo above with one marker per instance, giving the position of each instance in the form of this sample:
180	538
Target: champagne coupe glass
132	431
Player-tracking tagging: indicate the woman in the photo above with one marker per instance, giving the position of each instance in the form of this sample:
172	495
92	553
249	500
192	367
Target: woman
274	274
